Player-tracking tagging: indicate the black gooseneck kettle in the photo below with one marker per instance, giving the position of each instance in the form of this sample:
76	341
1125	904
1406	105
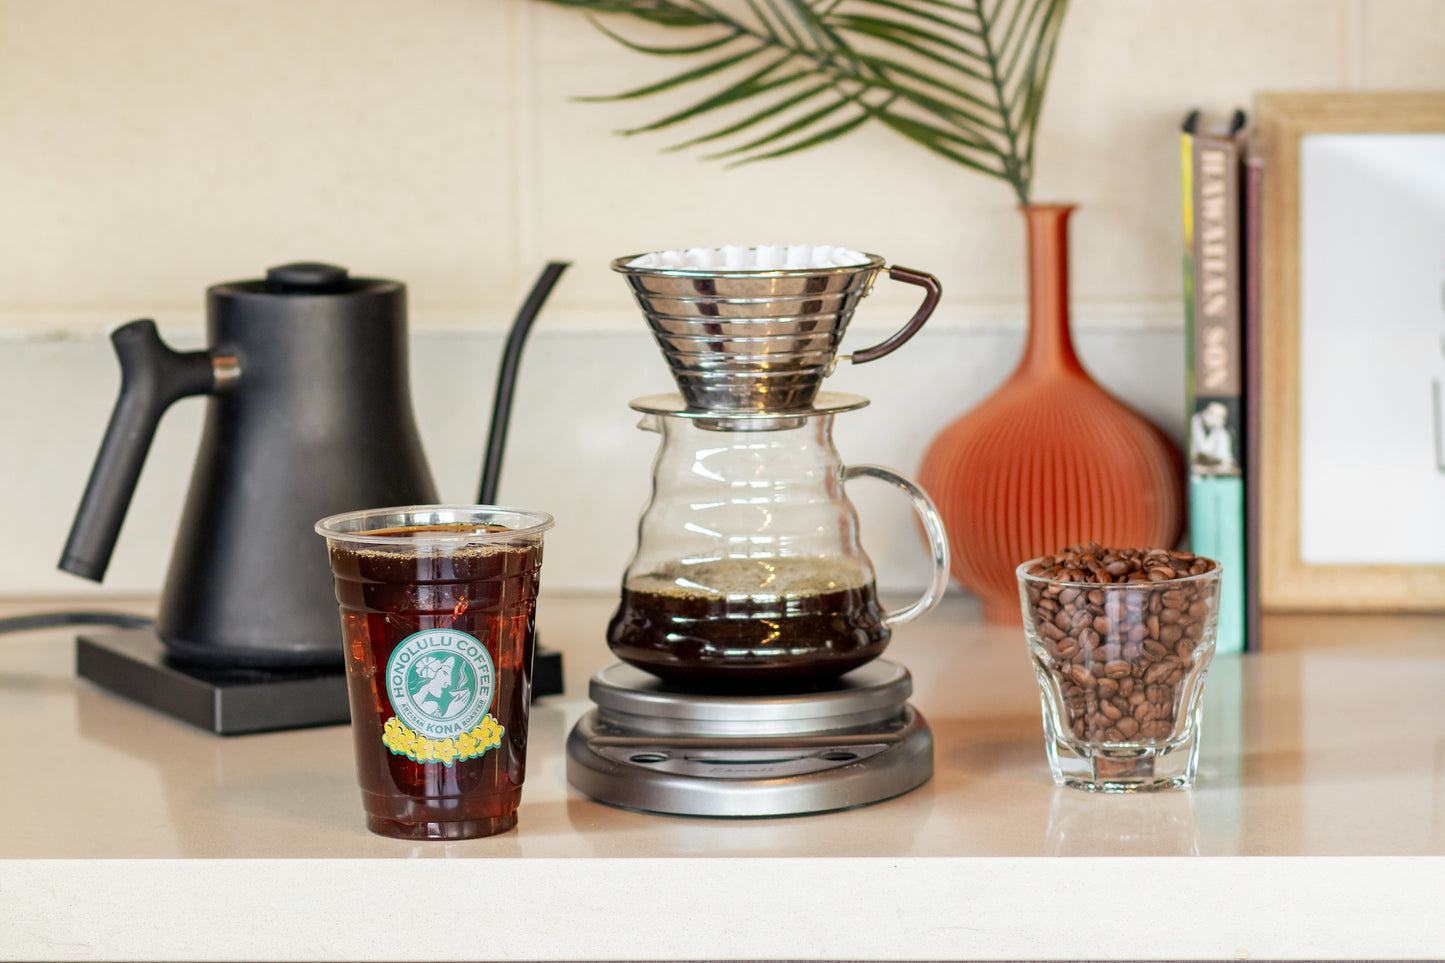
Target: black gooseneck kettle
309	414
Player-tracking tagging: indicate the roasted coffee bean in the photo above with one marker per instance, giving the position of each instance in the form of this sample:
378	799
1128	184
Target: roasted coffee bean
1119	654
1117	669
1158	729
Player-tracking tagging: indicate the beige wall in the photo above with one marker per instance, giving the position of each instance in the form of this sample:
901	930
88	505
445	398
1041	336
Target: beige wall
151	147
154	146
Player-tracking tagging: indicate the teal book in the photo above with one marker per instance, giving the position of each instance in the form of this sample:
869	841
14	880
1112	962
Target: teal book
1217	530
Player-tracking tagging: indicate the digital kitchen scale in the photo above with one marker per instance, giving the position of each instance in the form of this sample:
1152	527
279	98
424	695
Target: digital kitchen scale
659	749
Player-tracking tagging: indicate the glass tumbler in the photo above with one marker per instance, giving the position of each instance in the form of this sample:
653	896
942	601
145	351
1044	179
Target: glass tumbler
1121	669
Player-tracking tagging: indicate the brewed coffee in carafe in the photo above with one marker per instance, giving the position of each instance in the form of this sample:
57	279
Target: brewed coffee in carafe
748	573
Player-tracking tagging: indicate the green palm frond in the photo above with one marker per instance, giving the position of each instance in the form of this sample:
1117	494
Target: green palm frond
964	79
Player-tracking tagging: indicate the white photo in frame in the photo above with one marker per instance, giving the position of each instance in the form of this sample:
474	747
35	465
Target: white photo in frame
1372	330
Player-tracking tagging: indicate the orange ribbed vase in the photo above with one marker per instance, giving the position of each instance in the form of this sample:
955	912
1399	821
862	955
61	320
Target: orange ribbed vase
1050	459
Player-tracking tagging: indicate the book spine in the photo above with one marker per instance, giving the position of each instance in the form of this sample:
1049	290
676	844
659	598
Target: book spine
1186	193
1214	382
1253	336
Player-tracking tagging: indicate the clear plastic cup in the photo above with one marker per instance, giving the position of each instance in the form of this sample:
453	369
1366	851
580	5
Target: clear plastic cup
438	608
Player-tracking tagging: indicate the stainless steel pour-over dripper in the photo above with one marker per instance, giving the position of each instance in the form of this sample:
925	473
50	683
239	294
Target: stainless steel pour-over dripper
761	339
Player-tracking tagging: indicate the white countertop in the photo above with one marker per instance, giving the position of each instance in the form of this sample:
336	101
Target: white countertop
1316	829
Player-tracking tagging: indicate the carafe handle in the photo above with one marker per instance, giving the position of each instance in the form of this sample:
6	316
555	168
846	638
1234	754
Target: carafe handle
932	527
933	291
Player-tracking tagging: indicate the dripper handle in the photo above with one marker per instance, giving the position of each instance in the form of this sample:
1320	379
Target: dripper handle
933	291
932	527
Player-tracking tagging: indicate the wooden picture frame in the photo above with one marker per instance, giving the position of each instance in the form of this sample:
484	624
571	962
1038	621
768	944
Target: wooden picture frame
1290	579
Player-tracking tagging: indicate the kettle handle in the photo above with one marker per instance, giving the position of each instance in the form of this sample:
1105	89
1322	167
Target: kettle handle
932	527
932	292
152	375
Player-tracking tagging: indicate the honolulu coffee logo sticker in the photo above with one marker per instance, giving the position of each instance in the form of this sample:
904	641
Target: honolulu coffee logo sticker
441	683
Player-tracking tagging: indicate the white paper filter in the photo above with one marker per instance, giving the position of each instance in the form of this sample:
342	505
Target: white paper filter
761	257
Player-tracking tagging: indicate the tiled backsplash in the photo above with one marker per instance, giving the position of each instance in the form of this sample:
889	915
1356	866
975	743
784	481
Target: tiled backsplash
573	449
153	147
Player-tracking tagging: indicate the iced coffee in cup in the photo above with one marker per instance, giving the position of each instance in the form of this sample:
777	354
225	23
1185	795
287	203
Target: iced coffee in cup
438	615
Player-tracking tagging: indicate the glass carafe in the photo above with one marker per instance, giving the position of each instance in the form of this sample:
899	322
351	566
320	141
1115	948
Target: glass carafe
748	572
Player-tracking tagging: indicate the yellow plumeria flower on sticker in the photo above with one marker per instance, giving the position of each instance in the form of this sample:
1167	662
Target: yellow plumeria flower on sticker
403	741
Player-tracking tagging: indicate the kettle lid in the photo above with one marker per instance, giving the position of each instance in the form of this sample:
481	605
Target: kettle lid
300	281
307	277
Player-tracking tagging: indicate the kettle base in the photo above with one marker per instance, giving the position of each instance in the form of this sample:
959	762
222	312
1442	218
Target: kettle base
226	701
234	701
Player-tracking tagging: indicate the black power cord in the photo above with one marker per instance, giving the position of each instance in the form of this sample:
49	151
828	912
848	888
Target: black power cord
50	620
